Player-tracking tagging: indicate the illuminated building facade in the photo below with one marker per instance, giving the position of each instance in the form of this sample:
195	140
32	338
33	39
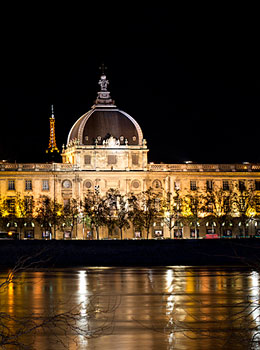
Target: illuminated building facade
106	149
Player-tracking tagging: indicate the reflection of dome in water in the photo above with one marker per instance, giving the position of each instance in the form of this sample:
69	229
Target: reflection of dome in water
105	120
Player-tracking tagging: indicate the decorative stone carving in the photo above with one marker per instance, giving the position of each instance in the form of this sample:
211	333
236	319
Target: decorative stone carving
135	184
103	82
74	142
88	184
111	142
66	184
157	184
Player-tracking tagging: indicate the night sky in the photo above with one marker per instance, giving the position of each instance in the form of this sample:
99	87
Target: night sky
190	78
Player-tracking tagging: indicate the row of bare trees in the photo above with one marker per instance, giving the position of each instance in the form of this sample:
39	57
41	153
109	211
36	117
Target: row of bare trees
217	207
113	210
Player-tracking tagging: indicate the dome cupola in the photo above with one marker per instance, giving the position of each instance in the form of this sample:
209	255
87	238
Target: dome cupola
106	138
103	121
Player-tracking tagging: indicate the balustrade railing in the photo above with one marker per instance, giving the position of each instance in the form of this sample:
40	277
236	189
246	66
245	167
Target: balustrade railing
204	167
36	167
151	167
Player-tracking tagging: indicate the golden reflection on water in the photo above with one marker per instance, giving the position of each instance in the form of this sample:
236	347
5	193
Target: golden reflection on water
10	298
83	301
160	308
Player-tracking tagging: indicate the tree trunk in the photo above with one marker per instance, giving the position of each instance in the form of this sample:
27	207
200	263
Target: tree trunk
97	230
147	233
121	233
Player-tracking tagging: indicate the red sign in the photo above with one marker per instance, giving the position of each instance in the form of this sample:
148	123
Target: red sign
212	235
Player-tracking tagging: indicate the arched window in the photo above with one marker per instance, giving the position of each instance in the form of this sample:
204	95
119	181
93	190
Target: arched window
157	184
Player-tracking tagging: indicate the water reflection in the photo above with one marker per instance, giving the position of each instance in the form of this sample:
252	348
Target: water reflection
155	308
10	293
254	309
83	301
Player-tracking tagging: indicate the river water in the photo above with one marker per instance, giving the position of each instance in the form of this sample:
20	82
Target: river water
136	308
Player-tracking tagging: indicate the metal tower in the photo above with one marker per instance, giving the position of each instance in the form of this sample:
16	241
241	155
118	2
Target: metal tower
52	148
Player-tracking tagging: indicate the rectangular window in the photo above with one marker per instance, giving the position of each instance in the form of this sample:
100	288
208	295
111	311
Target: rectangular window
11	185
226	204
111	159
210	208
28	203
66	203
241	185
28	185
209	185
257	185
87	159
242	203
45	185
257	203
135	159
225	185
193	185
10	204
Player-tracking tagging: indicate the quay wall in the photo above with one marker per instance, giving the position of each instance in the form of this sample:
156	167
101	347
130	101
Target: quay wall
38	253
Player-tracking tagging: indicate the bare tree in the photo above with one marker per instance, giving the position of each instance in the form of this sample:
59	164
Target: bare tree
172	210
95	210
69	218
48	214
122	214
24	212
86	320
110	210
243	204
191	209
234	325
146	209
17	213
117	214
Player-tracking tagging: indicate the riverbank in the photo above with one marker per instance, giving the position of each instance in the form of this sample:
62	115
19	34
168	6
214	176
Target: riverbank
132	253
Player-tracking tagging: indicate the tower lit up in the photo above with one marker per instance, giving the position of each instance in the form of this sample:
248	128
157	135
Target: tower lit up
52	147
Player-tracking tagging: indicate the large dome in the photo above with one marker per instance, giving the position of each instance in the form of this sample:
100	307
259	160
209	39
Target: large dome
105	120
